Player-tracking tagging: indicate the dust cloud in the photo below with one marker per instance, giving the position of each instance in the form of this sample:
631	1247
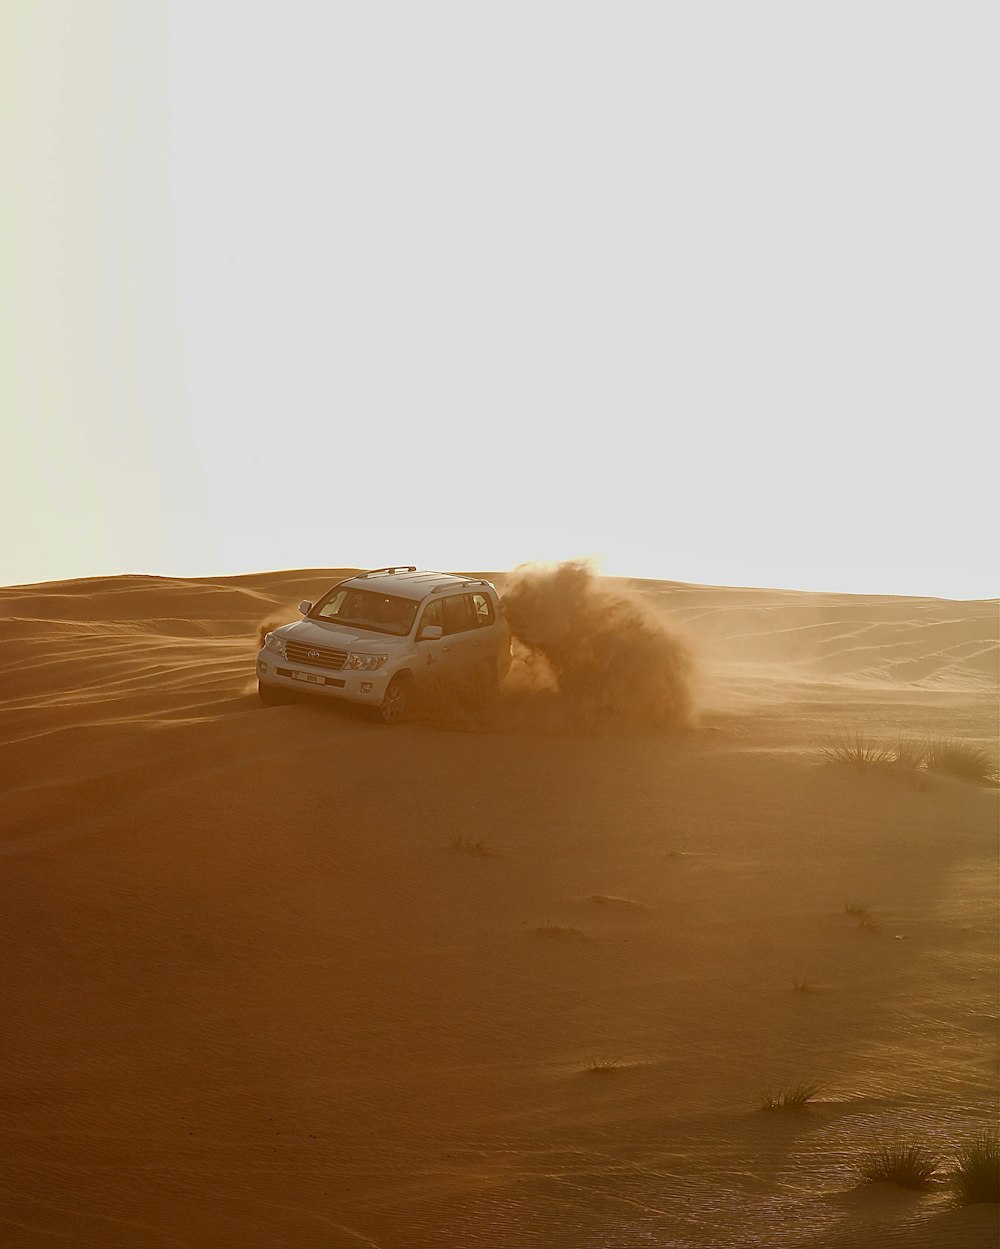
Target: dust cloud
271	623
611	659
587	656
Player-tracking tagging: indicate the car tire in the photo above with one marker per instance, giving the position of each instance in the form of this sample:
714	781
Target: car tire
271	696
395	701
486	686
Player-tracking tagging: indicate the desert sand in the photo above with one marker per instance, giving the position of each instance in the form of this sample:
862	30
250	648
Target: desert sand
284	977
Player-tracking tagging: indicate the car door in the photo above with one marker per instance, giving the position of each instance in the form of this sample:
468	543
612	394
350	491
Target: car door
460	649
488	635
432	653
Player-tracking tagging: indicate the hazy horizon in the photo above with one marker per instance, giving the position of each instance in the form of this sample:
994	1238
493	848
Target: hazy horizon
704	295
497	569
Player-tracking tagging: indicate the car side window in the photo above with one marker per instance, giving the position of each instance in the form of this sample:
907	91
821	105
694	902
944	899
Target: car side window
457	616
482	609
433	614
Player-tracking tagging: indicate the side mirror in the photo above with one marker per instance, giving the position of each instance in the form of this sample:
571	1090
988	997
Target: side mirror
430	633
305	607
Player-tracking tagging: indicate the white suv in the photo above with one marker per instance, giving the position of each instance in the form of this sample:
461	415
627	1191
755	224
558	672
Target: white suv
380	636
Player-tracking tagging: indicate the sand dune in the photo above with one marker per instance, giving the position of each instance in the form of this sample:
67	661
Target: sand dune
281	977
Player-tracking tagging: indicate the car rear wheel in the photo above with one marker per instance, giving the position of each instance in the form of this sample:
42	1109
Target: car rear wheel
395	702
486	686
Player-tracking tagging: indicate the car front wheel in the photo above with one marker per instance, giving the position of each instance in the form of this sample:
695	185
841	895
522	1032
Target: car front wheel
395	701
271	696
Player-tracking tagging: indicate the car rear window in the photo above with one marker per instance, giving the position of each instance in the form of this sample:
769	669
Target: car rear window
482	609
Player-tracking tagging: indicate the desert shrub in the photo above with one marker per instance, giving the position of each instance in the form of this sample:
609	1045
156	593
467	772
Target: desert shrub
603	1066
909	753
977	1169
556	931
964	759
789	1099
857	908
468	846
860	751
898	1162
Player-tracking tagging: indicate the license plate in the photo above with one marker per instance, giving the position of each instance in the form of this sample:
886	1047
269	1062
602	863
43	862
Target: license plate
308	676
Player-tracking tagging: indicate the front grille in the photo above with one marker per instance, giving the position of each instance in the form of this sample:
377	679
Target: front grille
315	656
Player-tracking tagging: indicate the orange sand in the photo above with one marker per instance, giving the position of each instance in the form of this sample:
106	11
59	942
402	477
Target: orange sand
255	995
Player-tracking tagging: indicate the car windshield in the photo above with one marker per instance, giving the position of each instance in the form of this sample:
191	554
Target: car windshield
367	609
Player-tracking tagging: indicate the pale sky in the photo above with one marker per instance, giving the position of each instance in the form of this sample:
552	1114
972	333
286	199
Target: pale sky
705	291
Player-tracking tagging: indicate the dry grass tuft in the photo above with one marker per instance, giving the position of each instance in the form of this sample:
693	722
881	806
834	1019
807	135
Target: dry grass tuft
468	846
556	932
909	753
789	1099
962	759
898	1162
977	1170
602	1066
860	751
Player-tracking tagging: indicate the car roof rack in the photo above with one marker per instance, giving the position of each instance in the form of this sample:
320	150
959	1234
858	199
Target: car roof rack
462	585
390	571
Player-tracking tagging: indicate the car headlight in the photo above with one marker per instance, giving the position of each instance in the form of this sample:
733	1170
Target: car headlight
275	643
364	663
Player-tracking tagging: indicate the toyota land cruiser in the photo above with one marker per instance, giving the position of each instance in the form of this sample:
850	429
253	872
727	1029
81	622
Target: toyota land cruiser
380	637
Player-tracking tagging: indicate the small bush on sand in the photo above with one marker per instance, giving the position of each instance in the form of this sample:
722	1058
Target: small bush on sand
556	932
964	759
977	1169
898	1162
860	751
857	908
909	753
789	1099
468	846
603	1066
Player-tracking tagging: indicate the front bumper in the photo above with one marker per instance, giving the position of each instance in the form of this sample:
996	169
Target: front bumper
356	687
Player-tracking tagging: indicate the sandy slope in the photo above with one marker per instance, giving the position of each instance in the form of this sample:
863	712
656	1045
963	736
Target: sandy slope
253	994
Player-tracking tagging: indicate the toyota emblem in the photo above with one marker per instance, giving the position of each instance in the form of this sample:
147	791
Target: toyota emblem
312	654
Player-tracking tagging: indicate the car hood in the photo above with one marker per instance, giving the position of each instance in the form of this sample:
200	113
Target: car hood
324	633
